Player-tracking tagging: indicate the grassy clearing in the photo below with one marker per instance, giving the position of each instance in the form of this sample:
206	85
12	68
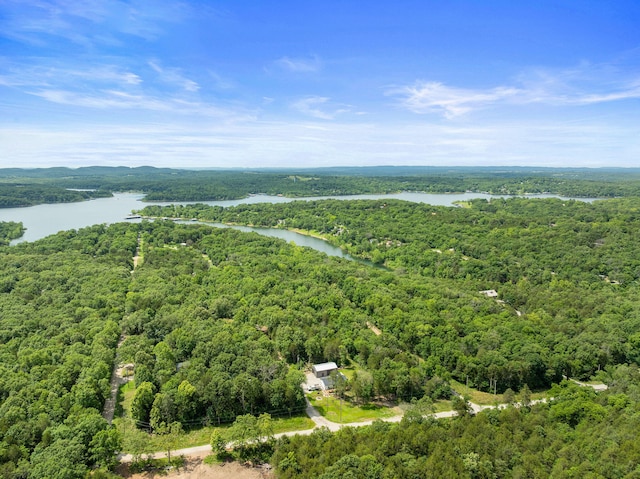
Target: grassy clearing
298	422
438	406
442	406
124	399
312	233
348	372
135	439
345	411
486	399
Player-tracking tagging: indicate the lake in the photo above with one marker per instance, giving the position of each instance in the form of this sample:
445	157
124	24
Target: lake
44	220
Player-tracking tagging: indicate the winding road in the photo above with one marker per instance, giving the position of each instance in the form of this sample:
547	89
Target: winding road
320	422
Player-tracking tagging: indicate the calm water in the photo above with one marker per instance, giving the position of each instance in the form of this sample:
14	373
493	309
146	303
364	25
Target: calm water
291	237
44	220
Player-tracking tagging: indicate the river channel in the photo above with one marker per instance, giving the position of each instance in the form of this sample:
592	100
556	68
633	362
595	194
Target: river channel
44	220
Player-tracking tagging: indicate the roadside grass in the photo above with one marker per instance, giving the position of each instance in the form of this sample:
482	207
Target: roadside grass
297	422
345	411
160	466
487	399
441	405
135	439
124	399
593	382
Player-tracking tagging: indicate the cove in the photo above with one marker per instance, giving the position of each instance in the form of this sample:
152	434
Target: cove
45	220
290	237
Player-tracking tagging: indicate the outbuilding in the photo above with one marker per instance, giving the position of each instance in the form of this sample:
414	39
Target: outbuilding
323	370
490	293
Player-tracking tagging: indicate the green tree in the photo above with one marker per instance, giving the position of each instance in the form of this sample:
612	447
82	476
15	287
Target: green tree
142	402
163	411
362	385
525	396
186	401
244	430
461	405
264	425
175	432
104	446
218	443
294	394
60	460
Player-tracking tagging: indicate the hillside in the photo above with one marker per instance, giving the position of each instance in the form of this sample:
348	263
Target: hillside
219	323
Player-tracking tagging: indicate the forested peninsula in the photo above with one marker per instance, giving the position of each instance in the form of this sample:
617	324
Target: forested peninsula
26	187
505	299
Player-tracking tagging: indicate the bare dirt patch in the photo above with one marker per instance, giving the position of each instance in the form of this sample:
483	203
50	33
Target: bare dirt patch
194	468
375	330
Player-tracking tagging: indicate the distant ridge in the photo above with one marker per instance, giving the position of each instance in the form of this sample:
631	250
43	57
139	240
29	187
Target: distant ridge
384	170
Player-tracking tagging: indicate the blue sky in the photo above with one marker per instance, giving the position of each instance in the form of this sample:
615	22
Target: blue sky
319	83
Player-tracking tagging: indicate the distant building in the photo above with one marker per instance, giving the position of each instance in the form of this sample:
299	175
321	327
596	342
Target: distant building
491	293
323	370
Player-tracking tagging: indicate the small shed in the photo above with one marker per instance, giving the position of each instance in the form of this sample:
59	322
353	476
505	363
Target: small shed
323	370
491	293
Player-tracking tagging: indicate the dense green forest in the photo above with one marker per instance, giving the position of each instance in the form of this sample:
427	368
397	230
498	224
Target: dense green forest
579	434
62	300
10	230
219	323
21	187
566	275
20	194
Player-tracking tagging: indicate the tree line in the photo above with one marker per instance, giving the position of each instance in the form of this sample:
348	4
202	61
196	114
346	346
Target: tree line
10	230
22	187
565	272
62	300
578	434
219	323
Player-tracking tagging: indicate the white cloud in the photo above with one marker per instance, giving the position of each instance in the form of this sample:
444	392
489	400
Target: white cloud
35	22
299	65
173	76
220	82
42	75
113	100
249	143
583	85
311	106
109	86
452	102
629	93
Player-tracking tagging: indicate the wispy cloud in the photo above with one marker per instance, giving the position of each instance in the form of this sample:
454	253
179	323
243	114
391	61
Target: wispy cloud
451	102
219	82
42	75
312	106
35	22
105	87
113	100
299	65
174	76
583	85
